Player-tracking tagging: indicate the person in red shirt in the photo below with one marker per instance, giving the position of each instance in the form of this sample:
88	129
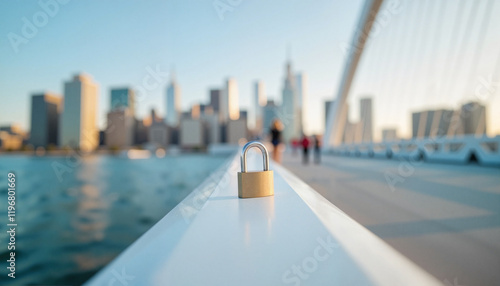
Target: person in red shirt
305	147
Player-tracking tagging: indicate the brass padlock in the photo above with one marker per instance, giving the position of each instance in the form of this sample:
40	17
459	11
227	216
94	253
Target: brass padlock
255	184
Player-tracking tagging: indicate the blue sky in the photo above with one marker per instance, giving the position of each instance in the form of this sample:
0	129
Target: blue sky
116	41
413	62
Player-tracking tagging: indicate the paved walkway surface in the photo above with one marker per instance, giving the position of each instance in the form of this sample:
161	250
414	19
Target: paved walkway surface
446	218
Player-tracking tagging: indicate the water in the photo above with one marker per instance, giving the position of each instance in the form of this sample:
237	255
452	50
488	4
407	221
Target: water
75	215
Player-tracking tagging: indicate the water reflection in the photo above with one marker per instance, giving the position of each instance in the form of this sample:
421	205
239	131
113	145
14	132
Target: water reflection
70	229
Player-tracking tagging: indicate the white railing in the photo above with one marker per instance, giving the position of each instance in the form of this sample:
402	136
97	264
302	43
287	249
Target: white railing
457	150
295	237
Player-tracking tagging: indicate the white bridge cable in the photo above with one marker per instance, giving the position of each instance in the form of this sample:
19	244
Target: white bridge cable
453	44
402	89
458	65
388	94
460	58
479	50
430	86
383	37
414	81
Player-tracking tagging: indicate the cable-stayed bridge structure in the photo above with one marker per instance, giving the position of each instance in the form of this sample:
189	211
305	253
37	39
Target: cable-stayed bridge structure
428	69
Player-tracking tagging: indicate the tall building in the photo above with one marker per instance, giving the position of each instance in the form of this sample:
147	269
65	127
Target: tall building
243	114
473	117
352	132
158	133
366	119
191	133
290	111
121	123
328	104
302	88
230	109
212	127
259	101
431	123
123	98
141	127
78	122
173	103
120	129
216	99
195	111
45	109
237	131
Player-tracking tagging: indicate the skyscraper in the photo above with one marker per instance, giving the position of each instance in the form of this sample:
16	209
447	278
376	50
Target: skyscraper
302	96
431	123
45	109
366	119
237	131
120	129
158	133
289	106
259	101
473	115
328	104
123	98
215	99
212	127
78	122
121	118
230	106
173	103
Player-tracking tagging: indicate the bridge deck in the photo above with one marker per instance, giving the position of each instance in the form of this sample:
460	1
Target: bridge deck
445	218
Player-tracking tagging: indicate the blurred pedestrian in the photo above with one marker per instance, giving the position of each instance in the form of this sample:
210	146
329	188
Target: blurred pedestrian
295	146
317	149
305	149
275	134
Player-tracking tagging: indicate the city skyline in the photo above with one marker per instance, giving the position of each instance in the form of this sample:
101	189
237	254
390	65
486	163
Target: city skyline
169	39
69	120
225	54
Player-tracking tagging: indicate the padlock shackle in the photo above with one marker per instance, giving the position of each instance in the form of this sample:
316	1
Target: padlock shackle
247	147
